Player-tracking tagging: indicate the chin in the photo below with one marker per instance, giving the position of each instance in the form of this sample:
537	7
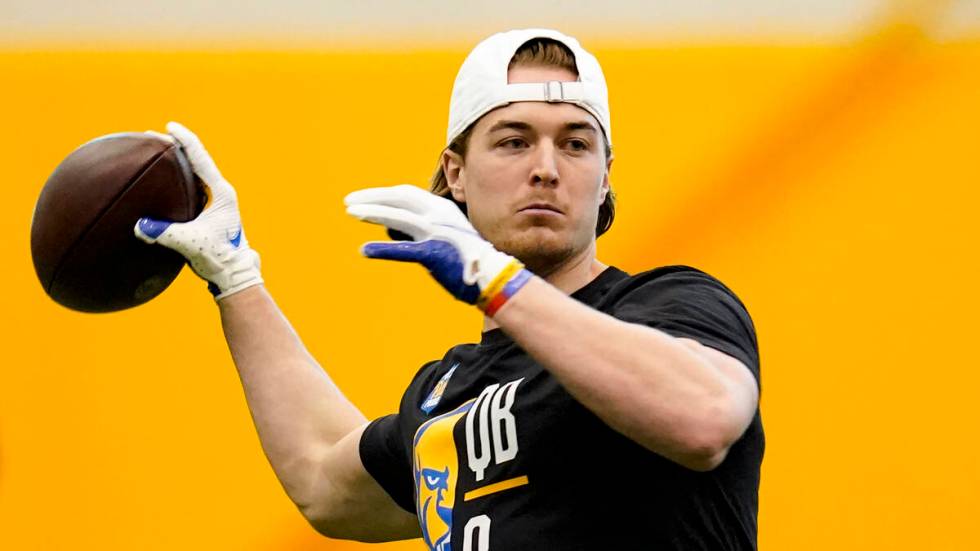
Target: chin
541	252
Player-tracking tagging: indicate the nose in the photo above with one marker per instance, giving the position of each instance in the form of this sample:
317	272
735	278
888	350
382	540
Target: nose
545	168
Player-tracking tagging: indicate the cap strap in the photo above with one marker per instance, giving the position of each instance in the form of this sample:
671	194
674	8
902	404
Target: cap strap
552	91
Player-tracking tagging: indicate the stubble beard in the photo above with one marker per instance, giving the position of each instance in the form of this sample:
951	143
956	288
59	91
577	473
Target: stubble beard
542	252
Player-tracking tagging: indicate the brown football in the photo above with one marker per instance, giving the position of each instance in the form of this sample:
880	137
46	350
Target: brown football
82	241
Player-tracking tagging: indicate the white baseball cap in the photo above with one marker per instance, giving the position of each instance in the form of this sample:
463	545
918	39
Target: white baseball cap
481	84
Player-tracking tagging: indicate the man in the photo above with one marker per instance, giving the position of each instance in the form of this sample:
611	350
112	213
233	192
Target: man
599	411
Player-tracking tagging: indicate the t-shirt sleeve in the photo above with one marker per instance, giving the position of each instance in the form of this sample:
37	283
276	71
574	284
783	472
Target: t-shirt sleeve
689	303
385	458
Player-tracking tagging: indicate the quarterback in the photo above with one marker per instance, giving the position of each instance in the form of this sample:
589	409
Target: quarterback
599	409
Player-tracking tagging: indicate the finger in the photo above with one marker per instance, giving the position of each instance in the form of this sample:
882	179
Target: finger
165	137
404	196
200	160
393	218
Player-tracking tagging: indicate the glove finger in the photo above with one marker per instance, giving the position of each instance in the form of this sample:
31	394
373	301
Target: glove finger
394	218
172	235
402	251
200	159
149	230
440	257
404	196
165	137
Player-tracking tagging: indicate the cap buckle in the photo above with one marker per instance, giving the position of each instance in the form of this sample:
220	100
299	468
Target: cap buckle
554	91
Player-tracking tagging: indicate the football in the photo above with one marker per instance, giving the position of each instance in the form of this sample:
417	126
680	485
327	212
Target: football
82	242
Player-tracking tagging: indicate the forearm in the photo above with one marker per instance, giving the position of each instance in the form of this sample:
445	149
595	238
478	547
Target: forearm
651	387
297	409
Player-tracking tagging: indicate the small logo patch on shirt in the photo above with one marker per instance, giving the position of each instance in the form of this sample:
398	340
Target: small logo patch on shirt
433	400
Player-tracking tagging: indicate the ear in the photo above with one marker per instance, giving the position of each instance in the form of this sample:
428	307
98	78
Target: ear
604	188
452	167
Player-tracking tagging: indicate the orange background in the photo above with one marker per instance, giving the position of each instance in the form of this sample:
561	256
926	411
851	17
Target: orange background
834	188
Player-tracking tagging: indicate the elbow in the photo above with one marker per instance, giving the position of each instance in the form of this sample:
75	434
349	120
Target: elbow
324	523
331	518
705	459
313	502
338	527
318	510
320	523
317	516
706	444
700	449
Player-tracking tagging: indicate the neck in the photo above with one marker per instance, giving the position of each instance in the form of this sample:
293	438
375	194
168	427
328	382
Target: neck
568	277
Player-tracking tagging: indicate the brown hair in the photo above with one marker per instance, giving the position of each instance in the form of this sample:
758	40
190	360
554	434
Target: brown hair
537	52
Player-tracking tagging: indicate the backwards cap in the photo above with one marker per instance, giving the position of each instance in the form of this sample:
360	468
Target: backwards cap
481	84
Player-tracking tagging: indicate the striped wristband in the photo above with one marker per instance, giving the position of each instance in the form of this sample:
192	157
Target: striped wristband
508	281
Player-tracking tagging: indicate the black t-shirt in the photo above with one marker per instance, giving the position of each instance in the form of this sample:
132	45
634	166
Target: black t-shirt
492	453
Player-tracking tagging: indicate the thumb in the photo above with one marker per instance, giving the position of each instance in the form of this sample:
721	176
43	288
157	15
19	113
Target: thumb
149	230
161	232
402	251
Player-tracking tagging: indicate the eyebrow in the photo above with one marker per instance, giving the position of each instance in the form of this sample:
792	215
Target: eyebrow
513	125
583	125
519	125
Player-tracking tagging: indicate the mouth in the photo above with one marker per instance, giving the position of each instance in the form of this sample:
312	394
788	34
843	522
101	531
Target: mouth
541	208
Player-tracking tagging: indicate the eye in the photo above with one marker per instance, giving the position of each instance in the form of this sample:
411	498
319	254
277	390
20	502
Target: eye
577	144
513	143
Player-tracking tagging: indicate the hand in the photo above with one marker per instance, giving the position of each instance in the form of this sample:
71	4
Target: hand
213	243
444	242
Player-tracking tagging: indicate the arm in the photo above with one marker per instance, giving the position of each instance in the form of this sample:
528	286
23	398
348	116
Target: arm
674	396
308	429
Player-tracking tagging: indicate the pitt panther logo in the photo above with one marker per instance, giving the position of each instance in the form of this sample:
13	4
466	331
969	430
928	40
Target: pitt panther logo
436	472
491	437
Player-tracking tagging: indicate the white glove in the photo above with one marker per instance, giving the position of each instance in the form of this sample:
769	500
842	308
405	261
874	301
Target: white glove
213	243
445	242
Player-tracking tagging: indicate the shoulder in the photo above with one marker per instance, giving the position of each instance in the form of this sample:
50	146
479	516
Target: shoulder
686	302
667	283
673	275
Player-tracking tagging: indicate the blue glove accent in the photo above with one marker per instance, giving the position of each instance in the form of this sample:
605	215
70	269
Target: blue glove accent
236	239
152	228
440	257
